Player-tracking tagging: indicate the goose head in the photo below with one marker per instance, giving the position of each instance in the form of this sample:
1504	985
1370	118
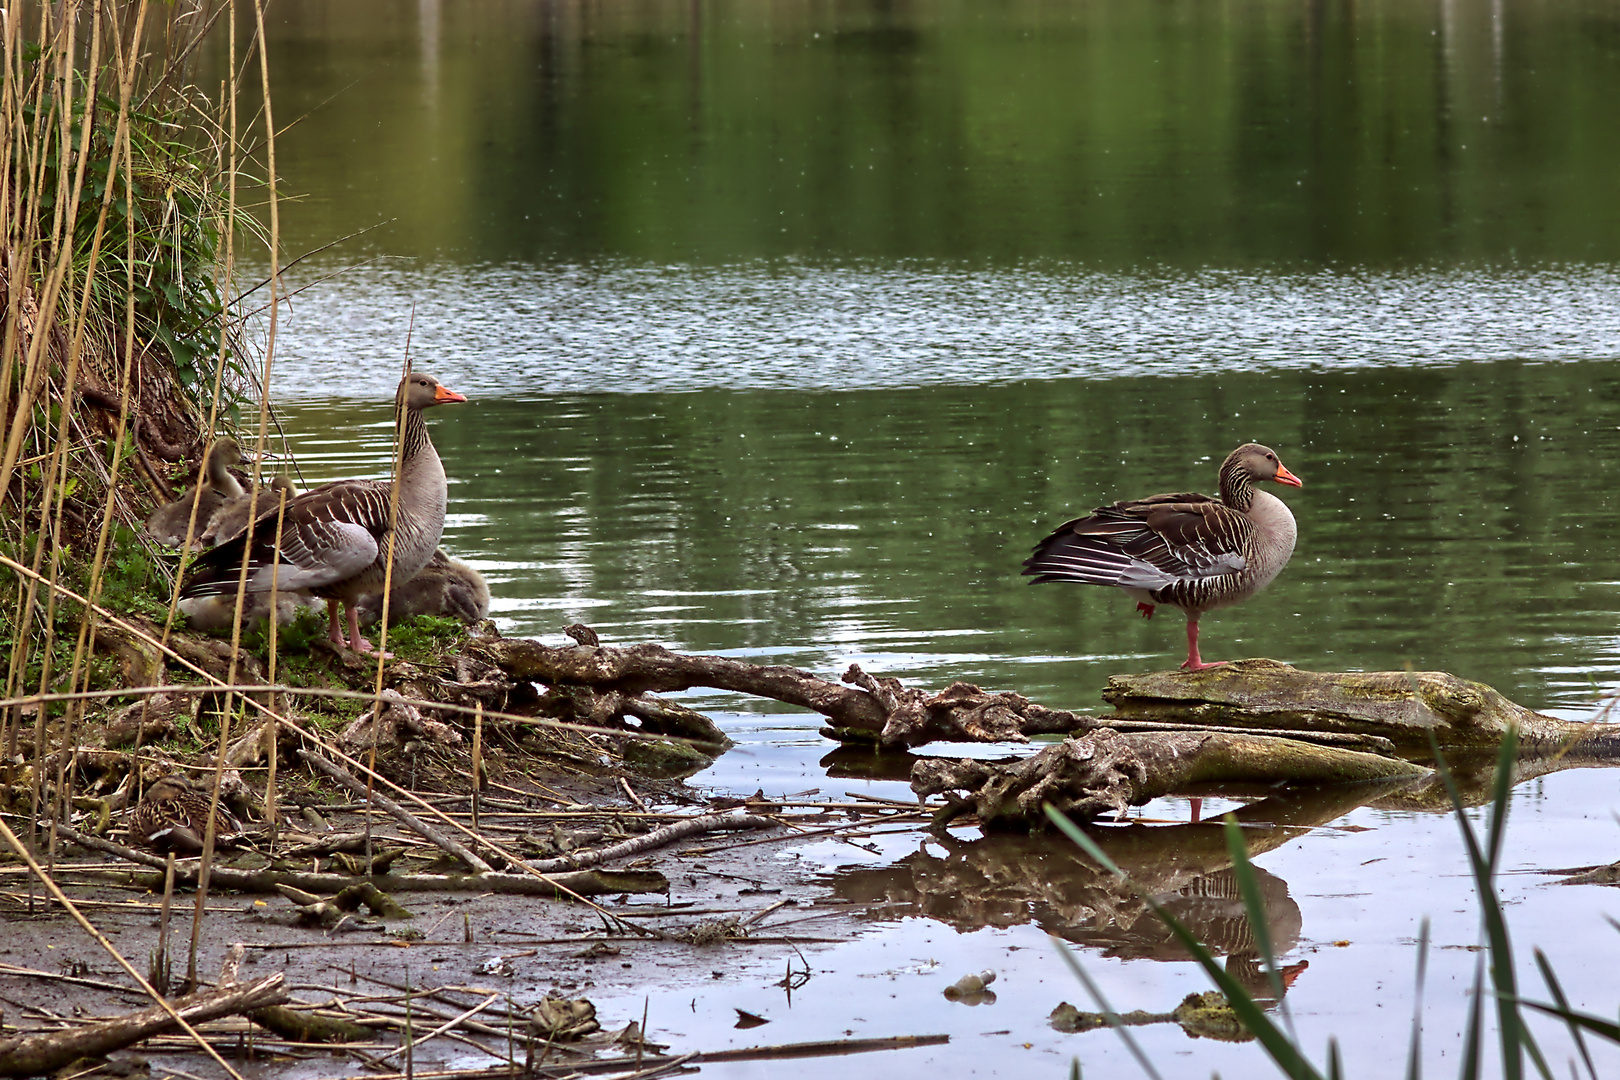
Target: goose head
1260	463
221	456
173	786
418	391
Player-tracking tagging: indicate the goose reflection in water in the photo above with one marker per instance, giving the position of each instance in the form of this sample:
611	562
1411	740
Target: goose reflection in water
1003	880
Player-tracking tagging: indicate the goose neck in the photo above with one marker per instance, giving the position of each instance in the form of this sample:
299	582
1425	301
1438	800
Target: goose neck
1237	486
415	437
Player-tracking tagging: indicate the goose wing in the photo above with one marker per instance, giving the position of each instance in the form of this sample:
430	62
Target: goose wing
1146	543
329	535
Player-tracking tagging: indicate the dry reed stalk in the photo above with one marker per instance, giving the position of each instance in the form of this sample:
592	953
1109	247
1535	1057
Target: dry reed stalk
477	761
61	898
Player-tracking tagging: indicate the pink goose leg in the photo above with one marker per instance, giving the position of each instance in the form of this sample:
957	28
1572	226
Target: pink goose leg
1193	662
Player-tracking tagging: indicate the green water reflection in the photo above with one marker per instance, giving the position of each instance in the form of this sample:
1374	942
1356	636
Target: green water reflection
1457	518
1113	131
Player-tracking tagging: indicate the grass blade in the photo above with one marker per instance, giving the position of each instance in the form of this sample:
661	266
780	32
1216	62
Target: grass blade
1471	1034
1106	1009
1597	1025
1564	1011
1281	1049
1414	1057
1482	862
1249	889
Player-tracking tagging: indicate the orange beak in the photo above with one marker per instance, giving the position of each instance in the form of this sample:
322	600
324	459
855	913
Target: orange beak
1285	477
444	394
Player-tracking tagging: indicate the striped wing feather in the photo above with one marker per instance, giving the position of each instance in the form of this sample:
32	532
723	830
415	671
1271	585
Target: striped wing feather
1147	543
330	534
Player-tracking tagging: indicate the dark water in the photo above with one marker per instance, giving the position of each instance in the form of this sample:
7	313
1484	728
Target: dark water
1116	133
789	328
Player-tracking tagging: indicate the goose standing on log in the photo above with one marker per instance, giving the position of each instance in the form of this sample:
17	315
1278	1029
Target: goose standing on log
334	541
1190	551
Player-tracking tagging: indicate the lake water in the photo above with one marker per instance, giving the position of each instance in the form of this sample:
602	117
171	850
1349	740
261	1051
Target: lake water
789	328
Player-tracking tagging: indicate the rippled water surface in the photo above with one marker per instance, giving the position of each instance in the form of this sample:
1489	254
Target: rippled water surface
788	329
612	328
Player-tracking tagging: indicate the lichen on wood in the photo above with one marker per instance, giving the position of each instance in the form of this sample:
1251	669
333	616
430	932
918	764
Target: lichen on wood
1405	707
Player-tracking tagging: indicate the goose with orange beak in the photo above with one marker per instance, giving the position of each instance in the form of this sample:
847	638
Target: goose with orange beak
1189	551
335	539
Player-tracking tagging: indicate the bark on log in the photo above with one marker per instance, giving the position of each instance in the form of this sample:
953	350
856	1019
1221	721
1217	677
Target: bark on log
32	1055
1106	771
1405	707
875	710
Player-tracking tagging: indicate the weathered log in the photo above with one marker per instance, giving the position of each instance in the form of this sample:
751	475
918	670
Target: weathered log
1406	707
1086	776
668	834
876	710
32	1055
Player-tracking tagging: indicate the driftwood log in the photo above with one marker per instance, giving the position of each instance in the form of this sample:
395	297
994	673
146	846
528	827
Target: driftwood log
1381	712
869	710
1405	707
1107	771
33	1055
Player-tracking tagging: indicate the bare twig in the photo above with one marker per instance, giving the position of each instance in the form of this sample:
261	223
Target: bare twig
695	826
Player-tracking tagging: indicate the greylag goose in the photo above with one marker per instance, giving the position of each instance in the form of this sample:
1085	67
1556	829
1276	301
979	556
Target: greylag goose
228	522
335	538
1190	551
445	586
168	524
174	817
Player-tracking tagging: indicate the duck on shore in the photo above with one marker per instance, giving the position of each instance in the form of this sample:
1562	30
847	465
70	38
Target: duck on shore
173	816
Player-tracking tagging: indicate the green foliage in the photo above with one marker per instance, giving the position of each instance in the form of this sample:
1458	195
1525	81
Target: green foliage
424	637
292	640
131	580
161	245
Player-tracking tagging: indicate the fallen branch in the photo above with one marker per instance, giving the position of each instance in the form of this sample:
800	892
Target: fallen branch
1107	771
879	709
399	813
660	837
31	1055
583	883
